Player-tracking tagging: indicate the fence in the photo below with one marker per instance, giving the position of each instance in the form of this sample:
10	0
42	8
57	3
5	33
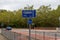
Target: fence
47	35
15	36
35	35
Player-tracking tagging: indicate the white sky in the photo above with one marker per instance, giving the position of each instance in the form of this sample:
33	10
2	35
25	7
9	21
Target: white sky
17	4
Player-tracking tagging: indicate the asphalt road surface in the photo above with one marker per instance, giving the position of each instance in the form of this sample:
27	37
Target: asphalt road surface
51	33
39	33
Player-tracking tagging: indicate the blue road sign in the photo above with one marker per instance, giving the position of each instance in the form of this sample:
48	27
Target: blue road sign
28	13
29	21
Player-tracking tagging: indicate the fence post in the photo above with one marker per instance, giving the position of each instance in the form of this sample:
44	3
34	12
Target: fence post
35	34
43	35
14	36
55	36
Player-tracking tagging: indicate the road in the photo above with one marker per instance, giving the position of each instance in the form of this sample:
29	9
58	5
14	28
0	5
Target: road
52	34
38	34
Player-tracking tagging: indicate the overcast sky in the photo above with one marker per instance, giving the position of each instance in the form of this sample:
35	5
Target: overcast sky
17	4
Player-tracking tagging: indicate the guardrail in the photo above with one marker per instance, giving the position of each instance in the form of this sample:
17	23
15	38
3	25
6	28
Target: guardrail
35	35
47	35
15	36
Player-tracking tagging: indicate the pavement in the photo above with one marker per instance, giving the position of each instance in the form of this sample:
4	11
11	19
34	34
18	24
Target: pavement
2	37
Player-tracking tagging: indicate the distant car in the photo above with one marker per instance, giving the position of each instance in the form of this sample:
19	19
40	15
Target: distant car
8	28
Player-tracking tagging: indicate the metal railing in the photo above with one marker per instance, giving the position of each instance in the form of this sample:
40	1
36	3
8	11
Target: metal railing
15	36
35	35
40	35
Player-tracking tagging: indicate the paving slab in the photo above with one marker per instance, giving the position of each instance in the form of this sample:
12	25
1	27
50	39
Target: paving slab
2	37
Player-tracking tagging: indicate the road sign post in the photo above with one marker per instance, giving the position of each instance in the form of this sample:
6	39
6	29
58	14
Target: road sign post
29	23
29	14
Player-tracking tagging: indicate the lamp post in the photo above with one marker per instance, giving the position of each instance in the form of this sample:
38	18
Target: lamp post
2	27
59	21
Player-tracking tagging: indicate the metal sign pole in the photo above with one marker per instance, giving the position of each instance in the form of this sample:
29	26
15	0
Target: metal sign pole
29	31
29	14
29	24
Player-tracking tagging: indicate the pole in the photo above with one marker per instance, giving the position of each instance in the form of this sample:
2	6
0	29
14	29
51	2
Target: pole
29	24
59	22
29	31
2	27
